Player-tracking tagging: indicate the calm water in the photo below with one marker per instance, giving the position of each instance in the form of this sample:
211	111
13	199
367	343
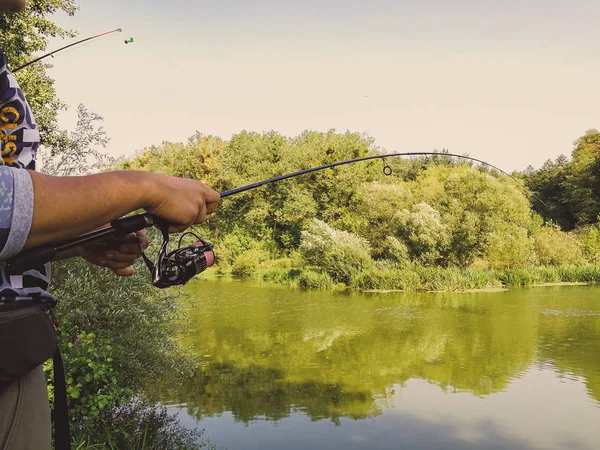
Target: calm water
287	369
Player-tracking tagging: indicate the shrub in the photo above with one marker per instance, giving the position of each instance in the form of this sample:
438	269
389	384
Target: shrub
556	248
309	279
91	376
510	248
248	263
339	253
395	250
589	241
426	236
139	425
232	245
137	318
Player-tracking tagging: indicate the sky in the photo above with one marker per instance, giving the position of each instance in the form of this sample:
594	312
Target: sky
513	82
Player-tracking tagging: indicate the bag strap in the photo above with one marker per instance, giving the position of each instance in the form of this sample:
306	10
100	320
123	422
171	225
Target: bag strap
62	432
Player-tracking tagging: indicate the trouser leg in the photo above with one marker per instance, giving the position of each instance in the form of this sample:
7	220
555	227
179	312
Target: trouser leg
25	414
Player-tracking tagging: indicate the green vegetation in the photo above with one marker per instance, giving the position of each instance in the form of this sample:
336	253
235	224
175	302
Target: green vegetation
571	189
436	223
117	335
23	36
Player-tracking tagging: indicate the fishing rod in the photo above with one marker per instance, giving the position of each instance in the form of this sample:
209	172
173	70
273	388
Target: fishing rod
387	170
181	265
117	30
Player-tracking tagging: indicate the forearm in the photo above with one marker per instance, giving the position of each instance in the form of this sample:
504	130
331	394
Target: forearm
66	207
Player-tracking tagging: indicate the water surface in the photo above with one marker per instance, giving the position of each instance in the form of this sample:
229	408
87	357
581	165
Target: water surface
290	369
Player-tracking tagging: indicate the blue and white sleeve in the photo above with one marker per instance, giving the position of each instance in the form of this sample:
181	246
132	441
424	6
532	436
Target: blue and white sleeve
16	210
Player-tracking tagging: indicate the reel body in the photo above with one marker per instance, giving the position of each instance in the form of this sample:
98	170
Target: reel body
179	266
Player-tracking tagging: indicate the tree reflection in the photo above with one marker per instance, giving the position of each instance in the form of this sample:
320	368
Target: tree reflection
265	353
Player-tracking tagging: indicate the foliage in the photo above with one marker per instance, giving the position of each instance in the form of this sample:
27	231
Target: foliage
583	180
339	253
91	376
589	241
432	211
426	237
196	159
246	264
570	189
555	248
81	151
23	36
509	249
138	320
310	279
140	425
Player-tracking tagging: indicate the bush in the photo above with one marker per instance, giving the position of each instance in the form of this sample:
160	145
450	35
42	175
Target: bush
309	279
139	425
91	376
394	249
340	254
138	319
427	237
556	248
232	245
248	263
510	248
589	241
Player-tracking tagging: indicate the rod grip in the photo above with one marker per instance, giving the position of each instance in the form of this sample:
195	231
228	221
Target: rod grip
131	224
31	258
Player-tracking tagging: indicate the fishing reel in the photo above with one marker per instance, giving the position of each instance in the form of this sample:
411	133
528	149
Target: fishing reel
179	266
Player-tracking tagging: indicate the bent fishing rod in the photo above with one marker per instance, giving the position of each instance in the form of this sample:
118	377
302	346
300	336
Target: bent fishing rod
181	265
117	30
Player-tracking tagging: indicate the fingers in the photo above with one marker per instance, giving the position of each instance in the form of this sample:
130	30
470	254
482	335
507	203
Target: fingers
115	265
212	201
202	215
125	272
131	245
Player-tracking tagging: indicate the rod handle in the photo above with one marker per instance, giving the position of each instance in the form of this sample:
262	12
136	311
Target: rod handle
34	257
131	224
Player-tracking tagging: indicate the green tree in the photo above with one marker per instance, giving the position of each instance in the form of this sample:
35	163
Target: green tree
582	184
23	36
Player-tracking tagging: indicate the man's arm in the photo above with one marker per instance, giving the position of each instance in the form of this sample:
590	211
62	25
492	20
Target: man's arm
66	207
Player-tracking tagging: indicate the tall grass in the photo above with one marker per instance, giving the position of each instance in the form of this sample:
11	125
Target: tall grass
415	278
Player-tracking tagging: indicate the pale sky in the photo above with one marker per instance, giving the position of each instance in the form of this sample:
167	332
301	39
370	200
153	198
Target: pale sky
510	82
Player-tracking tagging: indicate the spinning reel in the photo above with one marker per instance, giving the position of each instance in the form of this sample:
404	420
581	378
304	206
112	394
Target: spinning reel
179	266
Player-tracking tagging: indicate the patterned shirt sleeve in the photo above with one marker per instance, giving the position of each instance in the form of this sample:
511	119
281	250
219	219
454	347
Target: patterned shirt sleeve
16	210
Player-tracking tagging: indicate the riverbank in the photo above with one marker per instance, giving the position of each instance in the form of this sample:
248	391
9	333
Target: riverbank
432	279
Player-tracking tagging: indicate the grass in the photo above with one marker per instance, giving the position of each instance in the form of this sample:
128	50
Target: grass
416	278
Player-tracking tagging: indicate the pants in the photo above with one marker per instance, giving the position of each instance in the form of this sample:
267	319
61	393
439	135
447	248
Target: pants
25	414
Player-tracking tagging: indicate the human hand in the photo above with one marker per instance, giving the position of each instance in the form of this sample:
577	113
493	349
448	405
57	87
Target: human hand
116	254
179	201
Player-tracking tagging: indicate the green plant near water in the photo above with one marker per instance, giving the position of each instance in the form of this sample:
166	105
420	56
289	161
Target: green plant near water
140	425
118	335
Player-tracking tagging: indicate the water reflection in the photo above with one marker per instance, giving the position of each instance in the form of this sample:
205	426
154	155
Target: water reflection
269	353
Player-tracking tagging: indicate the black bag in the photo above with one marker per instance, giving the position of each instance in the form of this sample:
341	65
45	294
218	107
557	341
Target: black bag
27	339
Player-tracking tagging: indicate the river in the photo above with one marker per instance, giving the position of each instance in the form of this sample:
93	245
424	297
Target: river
289	369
